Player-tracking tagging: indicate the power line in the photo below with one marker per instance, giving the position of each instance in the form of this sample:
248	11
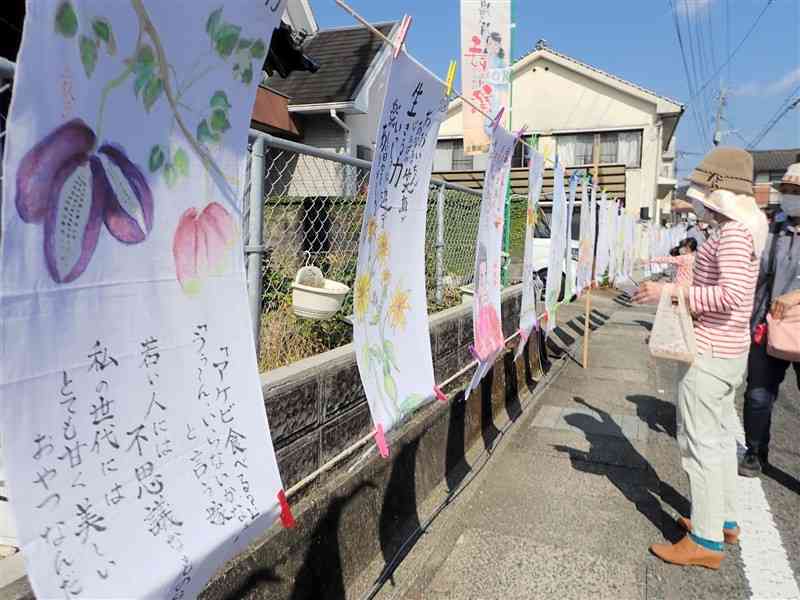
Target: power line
732	54
689	83
787	105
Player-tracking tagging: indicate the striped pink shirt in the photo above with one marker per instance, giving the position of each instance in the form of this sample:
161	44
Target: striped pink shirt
684	263
721	298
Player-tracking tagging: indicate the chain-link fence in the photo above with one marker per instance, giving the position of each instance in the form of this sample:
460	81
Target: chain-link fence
313	206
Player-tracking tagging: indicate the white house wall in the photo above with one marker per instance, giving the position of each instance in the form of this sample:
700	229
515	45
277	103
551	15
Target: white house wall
547	97
316	176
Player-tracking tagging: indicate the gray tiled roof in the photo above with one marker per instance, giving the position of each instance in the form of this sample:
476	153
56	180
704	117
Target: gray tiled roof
774	160
344	56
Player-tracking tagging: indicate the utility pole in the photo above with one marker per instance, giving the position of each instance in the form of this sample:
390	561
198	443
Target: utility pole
723	93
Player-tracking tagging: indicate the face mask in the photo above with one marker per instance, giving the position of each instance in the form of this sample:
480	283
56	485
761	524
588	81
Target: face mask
790	203
699	210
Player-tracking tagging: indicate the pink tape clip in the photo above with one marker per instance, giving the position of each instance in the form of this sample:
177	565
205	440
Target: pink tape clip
401	35
380	441
440	395
287	519
499	116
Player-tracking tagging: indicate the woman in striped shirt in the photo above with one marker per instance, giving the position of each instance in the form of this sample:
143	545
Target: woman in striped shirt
721	301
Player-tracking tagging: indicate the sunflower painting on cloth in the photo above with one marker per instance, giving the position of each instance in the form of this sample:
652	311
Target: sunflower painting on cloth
390	317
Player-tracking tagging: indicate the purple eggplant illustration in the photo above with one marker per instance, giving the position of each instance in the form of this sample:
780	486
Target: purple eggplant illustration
128	211
72	140
62	182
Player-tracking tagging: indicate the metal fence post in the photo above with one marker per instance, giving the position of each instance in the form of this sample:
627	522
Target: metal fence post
440	245
255	248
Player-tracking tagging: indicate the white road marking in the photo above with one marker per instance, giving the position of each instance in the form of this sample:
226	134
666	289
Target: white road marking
766	565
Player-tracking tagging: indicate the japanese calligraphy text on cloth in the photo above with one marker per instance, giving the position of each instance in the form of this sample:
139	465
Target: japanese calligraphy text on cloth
531	284
485	68
390	328
486	312
134	425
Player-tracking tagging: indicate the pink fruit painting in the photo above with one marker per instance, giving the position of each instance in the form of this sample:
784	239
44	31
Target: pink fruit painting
202	245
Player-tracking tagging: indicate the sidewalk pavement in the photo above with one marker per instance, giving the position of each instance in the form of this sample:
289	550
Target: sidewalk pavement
573	492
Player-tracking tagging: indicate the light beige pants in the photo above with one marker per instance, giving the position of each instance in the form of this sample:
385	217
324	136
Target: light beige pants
707	423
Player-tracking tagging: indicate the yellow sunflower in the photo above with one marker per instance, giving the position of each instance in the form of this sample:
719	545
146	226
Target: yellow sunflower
386	277
372	228
383	247
398	308
361	296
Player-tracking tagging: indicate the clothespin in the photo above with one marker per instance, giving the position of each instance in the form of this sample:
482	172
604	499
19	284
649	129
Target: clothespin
521	131
496	120
451	76
402	32
440	395
380	441
287	519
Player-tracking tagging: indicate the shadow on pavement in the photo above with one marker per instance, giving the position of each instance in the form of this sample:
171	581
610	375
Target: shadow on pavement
657	413
783	478
643	491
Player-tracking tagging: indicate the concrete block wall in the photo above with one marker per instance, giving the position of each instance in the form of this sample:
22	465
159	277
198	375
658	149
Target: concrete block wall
316	407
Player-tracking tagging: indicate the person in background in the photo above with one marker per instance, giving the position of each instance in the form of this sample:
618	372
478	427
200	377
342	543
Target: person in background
683	260
721	299
697	230
778	290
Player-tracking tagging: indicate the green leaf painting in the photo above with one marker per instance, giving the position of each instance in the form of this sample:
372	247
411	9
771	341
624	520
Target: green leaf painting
151	92
213	22
88	54
258	50
66	20
220	100
102	31
181	162
156	158
170	175
411	402
388	350
225	39
219	121
390	387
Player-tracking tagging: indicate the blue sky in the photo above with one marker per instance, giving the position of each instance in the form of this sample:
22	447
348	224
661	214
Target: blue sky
636	40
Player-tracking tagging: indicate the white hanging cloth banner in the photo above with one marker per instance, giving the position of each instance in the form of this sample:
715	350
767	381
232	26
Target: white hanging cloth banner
569	268
531	284
603	238
138	452
390	328
558	246
585	248
486	310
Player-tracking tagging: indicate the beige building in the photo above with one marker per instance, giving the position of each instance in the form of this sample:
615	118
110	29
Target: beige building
589	117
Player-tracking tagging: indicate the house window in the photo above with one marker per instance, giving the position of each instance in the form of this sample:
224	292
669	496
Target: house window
575	150
608	148
461	162
614	147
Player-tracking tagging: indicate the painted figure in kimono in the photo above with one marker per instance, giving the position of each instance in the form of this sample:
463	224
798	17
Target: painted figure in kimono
498	75
488	332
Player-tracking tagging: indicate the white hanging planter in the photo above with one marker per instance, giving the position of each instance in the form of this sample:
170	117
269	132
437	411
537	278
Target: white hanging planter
317	302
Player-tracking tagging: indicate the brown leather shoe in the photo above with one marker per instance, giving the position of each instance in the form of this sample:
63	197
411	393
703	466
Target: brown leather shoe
731	535
688	553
